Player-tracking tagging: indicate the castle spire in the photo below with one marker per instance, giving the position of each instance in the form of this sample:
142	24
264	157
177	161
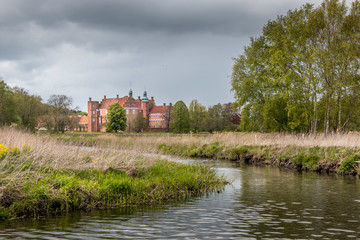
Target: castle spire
145	98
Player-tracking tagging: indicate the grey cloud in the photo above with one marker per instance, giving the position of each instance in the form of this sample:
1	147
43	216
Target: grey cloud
86	48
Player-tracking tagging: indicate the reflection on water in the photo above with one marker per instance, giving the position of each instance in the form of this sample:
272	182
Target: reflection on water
262	202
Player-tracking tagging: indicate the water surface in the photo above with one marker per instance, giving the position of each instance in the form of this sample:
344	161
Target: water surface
261	203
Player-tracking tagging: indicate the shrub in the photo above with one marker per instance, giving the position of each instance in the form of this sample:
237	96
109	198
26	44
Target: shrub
238	153
307	161
348	165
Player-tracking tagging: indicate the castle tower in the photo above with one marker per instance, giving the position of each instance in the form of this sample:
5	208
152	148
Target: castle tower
144	105
93	116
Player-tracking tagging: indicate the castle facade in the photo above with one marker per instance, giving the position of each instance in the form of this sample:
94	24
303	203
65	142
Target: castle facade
157	117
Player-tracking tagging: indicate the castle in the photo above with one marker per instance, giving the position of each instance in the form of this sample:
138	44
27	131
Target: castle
157	117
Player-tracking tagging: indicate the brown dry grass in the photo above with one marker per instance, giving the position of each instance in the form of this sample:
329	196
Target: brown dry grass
48	152
146	142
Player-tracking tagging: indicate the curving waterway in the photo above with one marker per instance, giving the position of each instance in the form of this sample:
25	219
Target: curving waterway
261	203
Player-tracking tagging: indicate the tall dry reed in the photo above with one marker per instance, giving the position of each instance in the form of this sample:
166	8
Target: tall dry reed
146	142
42	151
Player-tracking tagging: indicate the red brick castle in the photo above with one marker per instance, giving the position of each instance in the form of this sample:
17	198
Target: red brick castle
157	117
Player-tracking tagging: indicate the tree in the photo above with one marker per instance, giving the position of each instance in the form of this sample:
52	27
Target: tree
116	118
7	105
214	118
302	73
197	116
166	116
28	108
139	122
61	111
180	118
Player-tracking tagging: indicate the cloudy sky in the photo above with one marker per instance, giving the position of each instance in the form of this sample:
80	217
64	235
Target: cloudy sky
175	49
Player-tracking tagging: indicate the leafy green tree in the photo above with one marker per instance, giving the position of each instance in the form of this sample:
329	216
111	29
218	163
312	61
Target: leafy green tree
227	115
214	118
302	73
197	116
7	105
28	108
139	122
116	118
180	118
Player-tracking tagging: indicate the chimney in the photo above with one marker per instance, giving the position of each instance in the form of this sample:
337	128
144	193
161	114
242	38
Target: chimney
89	99
170	104
152	98
117	95
139	97
164	104
104	97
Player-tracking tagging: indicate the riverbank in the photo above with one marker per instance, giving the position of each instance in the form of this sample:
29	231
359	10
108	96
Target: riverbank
336	153
319	159
41	176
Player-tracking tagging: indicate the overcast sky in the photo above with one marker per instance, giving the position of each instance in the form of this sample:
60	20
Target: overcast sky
175	49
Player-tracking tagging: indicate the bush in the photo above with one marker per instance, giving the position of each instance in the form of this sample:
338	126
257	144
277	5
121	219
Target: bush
348	165
307	161
238	153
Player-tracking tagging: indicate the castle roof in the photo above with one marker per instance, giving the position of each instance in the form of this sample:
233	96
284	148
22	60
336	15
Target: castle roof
107	102
83	119
159	109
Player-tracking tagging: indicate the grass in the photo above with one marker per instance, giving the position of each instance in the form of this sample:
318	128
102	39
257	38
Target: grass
348	140
41	176
302	152
340	160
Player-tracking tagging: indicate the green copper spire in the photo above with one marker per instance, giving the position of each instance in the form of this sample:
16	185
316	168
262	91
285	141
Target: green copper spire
145	98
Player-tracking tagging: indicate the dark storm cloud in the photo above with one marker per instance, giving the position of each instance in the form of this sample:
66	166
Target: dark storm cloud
177	49
152	15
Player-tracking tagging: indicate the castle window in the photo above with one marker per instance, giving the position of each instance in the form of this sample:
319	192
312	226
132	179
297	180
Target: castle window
127	111
93	119
93	112
93	105
133	111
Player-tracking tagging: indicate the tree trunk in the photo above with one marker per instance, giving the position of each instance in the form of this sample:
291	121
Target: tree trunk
339	114
314	130
327	115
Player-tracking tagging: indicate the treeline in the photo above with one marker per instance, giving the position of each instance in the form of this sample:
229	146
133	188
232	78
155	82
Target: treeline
302	73
19	107
197	118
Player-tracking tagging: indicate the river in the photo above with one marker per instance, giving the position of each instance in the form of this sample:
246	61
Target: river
261	203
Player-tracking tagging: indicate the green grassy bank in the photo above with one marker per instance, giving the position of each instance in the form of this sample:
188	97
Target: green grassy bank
46	177
55	192
339	160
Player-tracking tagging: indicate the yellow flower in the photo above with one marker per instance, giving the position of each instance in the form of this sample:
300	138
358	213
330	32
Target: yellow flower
14	151
3	151
26	148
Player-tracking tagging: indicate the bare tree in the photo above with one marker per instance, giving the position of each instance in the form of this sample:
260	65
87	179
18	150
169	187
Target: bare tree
61	105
